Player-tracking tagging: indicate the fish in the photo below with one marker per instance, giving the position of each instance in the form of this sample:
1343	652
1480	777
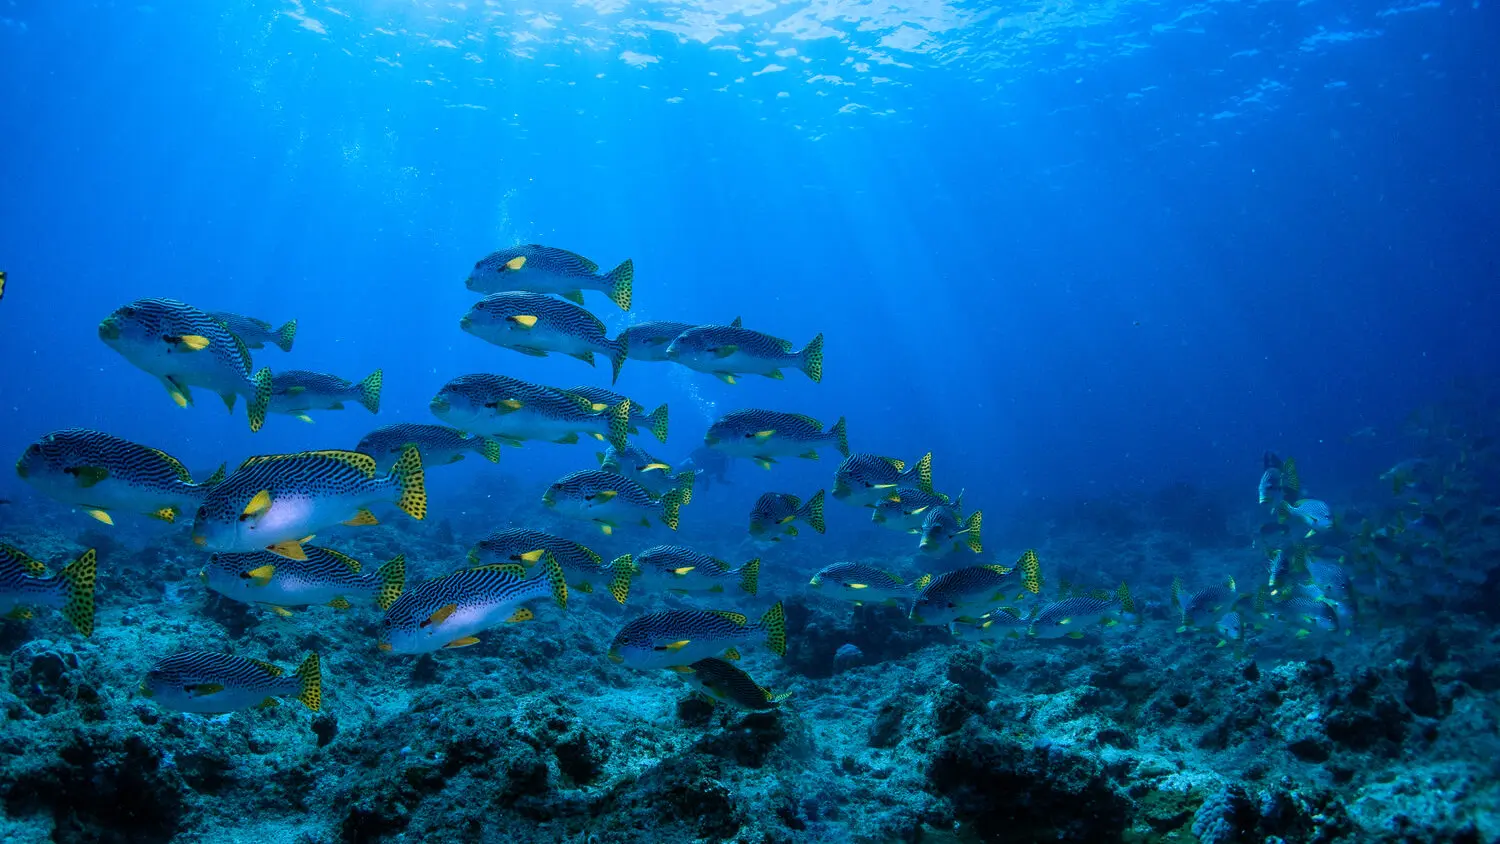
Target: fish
1312	512
865	480
968	593
1204	606
1279	480
1231	628
724	682
1278	567
683	571
907	509
1069	616
728	352
277	502
611	500
655	421
438	444
448	611
944	529
535	324
104	475
534	268
583	569
637	464
296	391
861	584
675	639
256	333
649	341
185	348
764	435
215	683
1411	476
774	512
325	577
1306	614
25	583
1001	623
514	411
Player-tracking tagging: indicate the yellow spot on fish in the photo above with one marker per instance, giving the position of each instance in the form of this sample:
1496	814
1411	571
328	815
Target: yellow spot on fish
440	615
104	517
526	321
260	576
516	263
463	643
677	646
522	614
260	503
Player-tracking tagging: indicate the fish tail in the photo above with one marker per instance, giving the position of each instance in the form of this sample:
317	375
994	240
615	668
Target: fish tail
408	477
369	391
971	531
286	334
390	581
750	576
812	512
774	623
617	350
657	419
310	676
489	448
671	505
621	279
685	483
623	569
1126	602
556	580
920	475
1289	480
810	360
1031	572
618	421
260	401
78	578
840	434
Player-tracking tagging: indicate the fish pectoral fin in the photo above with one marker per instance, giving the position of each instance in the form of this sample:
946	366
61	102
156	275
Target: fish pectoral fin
726	351
525	321
676	646
680	669
516	263
520	615
726	377
88	476
361	518
764	462
294	391
259	503
188	342
340	603
607	495
440	615
260	575
206	689
304	418
463	642
178	391
567	439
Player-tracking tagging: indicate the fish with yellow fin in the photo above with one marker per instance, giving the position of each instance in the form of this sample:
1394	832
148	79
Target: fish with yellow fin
296	391
104	475
583	568
764	435
534	268
614	501
535	324
450	611
215	683
728	352
325	577
25	583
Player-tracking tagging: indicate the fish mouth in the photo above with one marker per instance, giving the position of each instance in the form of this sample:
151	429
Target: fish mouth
203	575
439	405
21	469
710	439
109	329
614	656
548	499
466	323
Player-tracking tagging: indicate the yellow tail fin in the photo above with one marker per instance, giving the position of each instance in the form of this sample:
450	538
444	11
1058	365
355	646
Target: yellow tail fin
408	476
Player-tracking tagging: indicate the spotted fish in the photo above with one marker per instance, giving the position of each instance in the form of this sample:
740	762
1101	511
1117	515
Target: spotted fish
675	639
683	571
547	269
637	464
325	577
729	352
104	474
279	501
1204	607
764	435
774	512
582	567
611	500
535	324
726	683
184	348
1311	512
906	511
214	683
861	584
25	583
449	611
968	593
438	444
515	411
1279	480
257	332
655	421
1069	617
296	391
944	529
865	480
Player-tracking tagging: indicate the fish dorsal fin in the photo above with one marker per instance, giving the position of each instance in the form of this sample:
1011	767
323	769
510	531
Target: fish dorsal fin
272	670
359	461
177	467
735	617
503	568
808	419
898	465
33	567
896	578
998	569
353	564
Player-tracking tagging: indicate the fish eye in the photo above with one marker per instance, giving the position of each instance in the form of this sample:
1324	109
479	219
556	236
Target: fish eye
478	264
750	436
557	486
712	350
589	497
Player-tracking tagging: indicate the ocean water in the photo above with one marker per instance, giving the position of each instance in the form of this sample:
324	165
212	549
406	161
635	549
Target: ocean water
1107	263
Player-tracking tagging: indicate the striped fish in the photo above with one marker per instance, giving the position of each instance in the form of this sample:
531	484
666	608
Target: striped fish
104	474
861	584
257	332
764	435
448	612
214	683
1203	608
944	529
547	269
296	391
1002	623
279	501
649	340
438	444
865	480
1069	616
719	680
603	399
325	577
611	500
968	593
640	466
683	571
728	352
772	516
675	639
535	324
185	347
907	509
583	569
514	411
24	583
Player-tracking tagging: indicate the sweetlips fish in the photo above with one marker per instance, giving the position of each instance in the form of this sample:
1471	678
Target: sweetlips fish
764	435
971	592
726	683
865	584
257	332
683	571
448	612
906	511
944	529
865	480
1001	623
649	340
774	512
535	324
640	466
514	411
602	399
214	683
1205	606
296	391
611	500
1311	512
25	583
675	639
326	577
438	444
1070	616
729	352
279	501
546	269
1306	613
583	569
184	348
1279	480
103	474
